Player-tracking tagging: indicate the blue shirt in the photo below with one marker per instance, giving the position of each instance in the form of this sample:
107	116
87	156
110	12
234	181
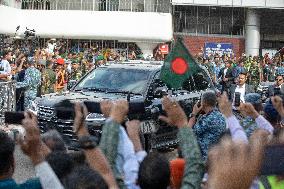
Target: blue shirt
208	130
29	184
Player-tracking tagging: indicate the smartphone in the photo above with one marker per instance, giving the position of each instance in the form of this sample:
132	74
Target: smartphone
237	101
277	91
198	103
273	162
14	117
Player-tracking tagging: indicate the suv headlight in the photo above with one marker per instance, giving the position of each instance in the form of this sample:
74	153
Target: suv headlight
96	119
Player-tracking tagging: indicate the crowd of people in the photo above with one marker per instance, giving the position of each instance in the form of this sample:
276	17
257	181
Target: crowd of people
54	68
224	70
215	151
222	144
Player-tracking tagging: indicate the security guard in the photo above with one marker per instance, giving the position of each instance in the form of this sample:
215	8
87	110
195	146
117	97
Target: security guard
30	84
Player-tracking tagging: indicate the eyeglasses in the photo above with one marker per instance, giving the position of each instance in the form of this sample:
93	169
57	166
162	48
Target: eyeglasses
279	79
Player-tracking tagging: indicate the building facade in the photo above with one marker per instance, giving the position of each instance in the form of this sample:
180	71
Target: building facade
251	26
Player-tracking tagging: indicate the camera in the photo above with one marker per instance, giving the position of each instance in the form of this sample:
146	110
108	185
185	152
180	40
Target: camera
29	33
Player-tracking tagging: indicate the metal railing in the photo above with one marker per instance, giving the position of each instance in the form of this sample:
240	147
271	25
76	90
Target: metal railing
7	98
99	5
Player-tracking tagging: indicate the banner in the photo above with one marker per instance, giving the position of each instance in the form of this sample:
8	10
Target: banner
218	48
164	48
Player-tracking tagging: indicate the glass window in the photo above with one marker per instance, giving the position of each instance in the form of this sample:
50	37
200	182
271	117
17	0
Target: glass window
116	79
209	20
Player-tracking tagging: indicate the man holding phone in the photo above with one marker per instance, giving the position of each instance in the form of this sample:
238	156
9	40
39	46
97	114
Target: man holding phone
278	83
241	88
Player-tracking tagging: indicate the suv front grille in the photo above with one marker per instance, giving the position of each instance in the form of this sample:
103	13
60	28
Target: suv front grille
47	120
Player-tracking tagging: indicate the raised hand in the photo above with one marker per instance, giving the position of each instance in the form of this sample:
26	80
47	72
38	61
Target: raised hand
277	103
248	110
235	165
32	144
175	114
119	110
106	107
81	113
225	105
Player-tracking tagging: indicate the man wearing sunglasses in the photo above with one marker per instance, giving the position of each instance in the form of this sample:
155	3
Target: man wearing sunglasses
278	83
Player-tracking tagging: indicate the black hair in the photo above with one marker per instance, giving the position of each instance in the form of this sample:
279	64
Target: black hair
209	98
61	163
154	172
84	177
243	73
7	147
6	52
78	158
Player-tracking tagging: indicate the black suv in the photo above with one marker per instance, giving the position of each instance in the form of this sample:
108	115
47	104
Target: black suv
134	81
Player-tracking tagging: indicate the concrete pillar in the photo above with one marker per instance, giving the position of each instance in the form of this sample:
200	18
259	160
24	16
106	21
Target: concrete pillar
252	32
147	48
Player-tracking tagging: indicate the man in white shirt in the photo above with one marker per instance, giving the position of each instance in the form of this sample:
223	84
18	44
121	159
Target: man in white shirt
241	87
5	68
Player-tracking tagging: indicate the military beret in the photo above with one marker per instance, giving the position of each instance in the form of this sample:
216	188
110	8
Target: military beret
100	57
60	61
42	62
75	61
253	98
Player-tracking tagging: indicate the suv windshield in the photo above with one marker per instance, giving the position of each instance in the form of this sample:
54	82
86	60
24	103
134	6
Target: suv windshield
116	80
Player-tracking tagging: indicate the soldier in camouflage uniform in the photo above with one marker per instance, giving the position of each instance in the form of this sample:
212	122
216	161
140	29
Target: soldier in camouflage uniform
254	77
75	74
31	82
48	79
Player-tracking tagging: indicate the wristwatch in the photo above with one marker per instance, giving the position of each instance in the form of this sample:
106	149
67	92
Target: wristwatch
88	142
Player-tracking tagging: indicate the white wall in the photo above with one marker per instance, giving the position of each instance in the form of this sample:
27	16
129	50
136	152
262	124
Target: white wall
237	3
124	26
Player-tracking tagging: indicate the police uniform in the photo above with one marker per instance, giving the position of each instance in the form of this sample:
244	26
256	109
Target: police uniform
75	75
248	123
31	82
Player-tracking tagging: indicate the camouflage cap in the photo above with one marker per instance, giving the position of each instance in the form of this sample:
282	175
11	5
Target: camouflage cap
75	61
253	98
42	62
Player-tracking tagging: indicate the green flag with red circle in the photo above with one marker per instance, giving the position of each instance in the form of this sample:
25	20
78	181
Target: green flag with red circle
178	66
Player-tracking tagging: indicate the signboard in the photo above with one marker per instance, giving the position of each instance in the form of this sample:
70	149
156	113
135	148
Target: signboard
218	48
164	48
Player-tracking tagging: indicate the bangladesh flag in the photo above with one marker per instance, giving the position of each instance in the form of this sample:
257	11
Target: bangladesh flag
178	66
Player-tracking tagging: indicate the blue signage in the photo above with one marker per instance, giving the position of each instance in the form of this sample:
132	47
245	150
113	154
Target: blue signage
218	48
